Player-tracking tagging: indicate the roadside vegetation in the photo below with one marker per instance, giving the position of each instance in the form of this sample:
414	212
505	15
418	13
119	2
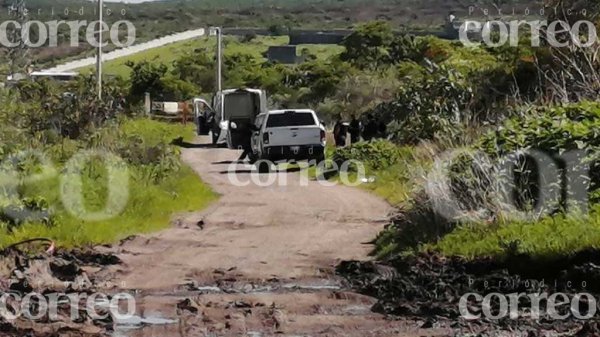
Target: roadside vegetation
496	101
432	95
171	53
43	129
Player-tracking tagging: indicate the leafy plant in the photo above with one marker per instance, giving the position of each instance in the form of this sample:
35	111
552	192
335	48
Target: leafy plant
436	104
377	155
368	46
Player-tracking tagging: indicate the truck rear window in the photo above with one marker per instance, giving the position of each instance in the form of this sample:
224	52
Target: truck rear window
290	119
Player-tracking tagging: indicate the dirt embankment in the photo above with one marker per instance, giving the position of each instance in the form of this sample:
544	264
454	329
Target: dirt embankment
430	287
53	276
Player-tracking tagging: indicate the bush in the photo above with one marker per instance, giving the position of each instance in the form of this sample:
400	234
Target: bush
436	104
377	155
249	37
554	130
368	46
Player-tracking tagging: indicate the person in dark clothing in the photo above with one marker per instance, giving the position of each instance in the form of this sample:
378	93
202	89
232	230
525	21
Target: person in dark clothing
339	132
371	128
355	129
245	135
382	130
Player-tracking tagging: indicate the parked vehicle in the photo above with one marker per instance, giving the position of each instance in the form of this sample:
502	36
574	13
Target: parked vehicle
203	116
239	106
288	135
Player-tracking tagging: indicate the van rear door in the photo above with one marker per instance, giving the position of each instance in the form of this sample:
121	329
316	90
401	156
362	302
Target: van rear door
241	105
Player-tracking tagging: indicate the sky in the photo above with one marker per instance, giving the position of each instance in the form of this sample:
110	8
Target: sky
130	1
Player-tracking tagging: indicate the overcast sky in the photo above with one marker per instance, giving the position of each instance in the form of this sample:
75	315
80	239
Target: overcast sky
130	1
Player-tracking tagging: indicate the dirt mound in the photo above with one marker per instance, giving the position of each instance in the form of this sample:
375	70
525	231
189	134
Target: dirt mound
53	276
430	287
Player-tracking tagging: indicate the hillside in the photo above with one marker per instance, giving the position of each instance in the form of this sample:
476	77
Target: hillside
157	19
171	52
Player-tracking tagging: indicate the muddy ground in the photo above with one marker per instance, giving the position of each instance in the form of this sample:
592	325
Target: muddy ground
52	274
262	261
430	287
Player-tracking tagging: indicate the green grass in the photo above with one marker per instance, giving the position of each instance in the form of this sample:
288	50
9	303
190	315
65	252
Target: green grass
546	238
395	181
149	208
169	53
549	237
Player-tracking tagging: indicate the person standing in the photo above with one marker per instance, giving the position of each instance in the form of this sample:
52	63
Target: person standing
355	129
370	130
184	109
245	134
339	133
382	130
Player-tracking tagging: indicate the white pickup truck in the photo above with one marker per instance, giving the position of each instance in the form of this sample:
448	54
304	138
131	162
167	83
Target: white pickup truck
288	135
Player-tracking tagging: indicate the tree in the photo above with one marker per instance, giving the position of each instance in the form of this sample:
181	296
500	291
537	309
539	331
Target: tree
368	47
408	48
278	29
435	104
177	90
197	68
572	11
317	80
18	54
146	77
239	68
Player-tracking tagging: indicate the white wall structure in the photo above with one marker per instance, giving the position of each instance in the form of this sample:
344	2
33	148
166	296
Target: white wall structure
115	54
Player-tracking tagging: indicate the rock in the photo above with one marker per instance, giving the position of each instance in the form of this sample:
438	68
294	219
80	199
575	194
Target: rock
64	270
242	304
188	305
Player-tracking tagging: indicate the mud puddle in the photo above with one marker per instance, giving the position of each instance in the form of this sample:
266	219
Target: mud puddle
126	327
59	278
254	287
430	287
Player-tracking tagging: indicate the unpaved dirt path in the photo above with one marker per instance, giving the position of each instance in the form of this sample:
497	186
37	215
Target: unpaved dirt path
258	262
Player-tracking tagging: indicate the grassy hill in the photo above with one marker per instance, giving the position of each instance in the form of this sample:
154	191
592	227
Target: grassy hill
169	53
160	18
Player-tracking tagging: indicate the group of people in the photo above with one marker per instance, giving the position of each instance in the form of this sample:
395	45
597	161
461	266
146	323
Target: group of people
368	131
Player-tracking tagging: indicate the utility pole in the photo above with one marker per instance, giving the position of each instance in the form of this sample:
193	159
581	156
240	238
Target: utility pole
219	59
99	52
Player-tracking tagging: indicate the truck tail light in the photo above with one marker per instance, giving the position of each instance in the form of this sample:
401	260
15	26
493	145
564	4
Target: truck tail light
323	136
266	138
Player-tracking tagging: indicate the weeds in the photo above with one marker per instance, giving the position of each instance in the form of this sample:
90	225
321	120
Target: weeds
159	186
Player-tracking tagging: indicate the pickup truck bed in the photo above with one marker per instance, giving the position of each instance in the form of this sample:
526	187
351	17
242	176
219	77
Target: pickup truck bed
290	135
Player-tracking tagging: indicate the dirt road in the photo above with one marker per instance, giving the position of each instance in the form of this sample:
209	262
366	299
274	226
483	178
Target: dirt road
258	262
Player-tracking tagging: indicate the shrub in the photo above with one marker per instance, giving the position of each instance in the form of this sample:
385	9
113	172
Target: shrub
553	130
377	155
437	103
146	77
368	46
